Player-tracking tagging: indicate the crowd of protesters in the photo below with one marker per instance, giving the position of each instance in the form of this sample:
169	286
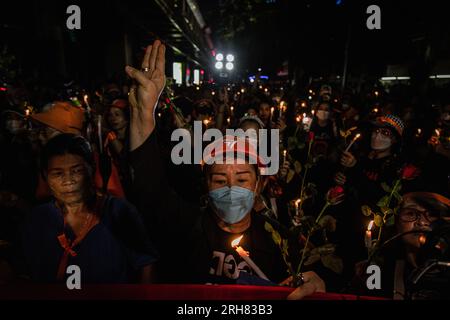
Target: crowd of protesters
86	178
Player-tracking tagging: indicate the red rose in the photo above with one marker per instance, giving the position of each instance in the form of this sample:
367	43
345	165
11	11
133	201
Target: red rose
335	195
409	172
311	136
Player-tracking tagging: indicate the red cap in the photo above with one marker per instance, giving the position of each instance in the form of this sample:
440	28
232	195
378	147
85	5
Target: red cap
234	148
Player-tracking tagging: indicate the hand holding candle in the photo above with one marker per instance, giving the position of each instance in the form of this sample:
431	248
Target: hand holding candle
352	142
245	255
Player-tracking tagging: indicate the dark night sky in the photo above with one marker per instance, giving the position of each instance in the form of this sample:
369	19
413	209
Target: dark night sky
313	32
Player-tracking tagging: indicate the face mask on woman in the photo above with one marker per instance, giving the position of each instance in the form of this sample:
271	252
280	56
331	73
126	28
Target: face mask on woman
323	115
380	142
232	204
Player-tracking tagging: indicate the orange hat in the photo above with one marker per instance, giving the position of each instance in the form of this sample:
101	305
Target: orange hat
62	116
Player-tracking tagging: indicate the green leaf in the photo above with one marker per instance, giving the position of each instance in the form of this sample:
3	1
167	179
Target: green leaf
290	175
397	196
333	262
386	211
366	211
297	167
383	202
378	220
268	227
313	258
386	187
328	222
390	221
276	238
327	249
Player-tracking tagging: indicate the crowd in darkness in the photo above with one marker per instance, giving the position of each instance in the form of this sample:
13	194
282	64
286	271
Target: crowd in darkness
86	178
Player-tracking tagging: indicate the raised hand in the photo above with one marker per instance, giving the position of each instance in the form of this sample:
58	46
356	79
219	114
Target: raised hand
144	95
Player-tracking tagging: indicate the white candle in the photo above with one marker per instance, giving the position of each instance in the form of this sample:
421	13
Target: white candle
99	132
368	236
352	142
284	156
245	255
86	102
297	203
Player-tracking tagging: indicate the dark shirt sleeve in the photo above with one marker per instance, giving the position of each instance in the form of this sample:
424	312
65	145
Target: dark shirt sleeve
160	206
128	227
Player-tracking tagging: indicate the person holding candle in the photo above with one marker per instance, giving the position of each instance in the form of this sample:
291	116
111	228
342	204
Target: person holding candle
195	243
404	249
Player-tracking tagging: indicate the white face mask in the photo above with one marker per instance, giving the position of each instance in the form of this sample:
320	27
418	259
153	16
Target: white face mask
380	142
323	115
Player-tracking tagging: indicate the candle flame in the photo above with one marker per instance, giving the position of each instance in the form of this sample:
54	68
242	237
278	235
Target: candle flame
284	153
298	119
232	108
313	112
297	202
438	132
357	136
303	104
236	241
369	227
205	122
272	109
375	110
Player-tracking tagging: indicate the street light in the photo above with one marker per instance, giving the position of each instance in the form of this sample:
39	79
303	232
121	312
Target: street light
219	65
230	58
219	57
229	66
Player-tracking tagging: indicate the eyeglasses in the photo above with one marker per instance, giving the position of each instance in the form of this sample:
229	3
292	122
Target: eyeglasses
411	215
383	131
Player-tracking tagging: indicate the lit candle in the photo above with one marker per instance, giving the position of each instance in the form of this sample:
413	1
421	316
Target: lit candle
375	110
297	203
298	119
368	236
303	104
313	112
27	112
438	132
231	109
228	120
206	122
213	92
376	93
242	90
246	256
284	156
353	141
86	102
99	133
271	112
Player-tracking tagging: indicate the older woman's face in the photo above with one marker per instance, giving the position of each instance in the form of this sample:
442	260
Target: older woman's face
67	178
411	217
117	119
